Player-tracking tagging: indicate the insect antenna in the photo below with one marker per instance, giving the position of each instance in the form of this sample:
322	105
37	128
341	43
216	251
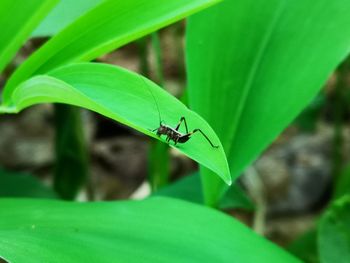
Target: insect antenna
154	98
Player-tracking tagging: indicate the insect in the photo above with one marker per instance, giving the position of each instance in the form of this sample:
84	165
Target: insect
173	134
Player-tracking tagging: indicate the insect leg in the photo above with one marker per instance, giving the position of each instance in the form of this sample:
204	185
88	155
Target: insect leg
182	119
206	137
176	140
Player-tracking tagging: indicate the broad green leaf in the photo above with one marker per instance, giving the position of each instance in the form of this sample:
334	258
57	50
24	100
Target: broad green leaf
71	163
154	230
14	184
334	233
17	20
253	65
64	13
126	97
189	188
106	27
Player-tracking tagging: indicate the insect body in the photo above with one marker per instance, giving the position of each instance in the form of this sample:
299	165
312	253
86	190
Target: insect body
174	134
178	137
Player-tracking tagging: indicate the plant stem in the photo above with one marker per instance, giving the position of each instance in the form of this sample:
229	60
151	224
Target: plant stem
71	167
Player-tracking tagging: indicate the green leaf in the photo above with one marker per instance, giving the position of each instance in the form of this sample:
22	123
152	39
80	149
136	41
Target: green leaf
126	97
14	184
253	65
235	197
17	20
334	233
189	188
110	25
154	230
307	120
71	164
305	247
64	13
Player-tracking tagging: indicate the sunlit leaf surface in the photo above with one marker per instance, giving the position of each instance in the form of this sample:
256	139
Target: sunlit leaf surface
126	97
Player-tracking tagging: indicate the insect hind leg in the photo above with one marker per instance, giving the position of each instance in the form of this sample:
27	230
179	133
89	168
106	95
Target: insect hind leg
182	119
206	137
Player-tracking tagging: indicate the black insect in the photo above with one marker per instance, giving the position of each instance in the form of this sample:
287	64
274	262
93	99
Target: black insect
178	137
174	134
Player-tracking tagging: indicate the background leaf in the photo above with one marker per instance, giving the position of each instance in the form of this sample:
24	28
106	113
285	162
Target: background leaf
110	25
307	120
305	247
253	65
17	20
189	188
334	232
155	230
15	184
64	13
126	97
